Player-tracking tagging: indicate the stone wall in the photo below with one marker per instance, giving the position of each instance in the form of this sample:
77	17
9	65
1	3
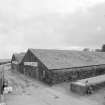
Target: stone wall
72	74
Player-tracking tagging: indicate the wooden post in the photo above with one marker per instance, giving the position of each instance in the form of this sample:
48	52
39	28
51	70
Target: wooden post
2	83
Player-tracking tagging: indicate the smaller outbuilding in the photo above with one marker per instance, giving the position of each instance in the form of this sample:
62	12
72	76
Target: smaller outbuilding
16	62
89	85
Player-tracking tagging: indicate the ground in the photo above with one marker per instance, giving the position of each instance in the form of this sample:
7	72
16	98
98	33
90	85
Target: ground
28	91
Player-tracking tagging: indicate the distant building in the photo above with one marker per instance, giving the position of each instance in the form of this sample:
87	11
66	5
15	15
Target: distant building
86	49
98	50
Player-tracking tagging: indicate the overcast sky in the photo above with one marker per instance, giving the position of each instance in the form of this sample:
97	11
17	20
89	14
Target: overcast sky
50	24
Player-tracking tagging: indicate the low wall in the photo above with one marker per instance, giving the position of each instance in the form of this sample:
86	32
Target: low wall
72	74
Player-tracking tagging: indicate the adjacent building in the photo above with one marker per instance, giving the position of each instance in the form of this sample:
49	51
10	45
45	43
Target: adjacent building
16	61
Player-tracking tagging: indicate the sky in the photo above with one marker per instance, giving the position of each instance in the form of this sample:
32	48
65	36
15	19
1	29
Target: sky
54	24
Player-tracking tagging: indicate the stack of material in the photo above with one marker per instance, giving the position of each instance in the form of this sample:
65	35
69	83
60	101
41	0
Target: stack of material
83	86
3	103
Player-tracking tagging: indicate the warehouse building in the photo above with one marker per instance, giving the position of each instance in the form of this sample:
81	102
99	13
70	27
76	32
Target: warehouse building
56	66
16	61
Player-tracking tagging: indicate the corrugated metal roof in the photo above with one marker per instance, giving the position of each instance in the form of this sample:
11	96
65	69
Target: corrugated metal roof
58	59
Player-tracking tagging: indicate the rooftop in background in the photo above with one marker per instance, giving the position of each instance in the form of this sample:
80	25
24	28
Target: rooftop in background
58	59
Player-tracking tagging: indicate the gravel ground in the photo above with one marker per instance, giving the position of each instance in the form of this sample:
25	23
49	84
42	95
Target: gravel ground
28	91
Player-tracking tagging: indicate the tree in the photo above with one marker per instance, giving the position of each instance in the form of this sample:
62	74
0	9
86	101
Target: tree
103	47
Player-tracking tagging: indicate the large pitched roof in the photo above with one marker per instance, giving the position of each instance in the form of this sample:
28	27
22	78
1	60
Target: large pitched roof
19	56
58	59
